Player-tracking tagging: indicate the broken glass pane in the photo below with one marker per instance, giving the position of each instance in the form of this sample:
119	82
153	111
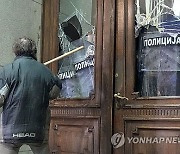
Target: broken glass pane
157	34
77	28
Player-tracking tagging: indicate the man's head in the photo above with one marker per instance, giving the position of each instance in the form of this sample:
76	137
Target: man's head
25	47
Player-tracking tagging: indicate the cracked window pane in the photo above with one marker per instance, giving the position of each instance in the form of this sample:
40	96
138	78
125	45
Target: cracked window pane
157	34
77	28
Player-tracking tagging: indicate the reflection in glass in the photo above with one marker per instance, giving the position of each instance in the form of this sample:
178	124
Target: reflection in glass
157	32
77	28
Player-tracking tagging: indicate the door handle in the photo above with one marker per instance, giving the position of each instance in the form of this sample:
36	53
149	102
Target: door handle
120	101
120	97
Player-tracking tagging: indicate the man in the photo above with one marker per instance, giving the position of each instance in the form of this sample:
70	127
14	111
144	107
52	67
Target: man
25	89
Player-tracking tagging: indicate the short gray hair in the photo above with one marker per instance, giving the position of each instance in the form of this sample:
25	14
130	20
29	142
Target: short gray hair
25	47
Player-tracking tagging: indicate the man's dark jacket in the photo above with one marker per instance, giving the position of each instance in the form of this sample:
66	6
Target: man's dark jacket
25	108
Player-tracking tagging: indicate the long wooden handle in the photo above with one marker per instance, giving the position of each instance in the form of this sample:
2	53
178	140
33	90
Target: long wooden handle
64	55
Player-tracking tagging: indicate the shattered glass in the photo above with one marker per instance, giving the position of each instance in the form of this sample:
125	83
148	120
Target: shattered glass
157	26
77	28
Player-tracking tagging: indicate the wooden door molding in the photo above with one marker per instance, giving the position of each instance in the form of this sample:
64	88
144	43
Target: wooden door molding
130	48
50	50
134	99
107	76
85	132
152	130
120	63
49	32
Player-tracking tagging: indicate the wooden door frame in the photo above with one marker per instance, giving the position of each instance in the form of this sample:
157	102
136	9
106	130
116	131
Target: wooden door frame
107	75
106	34
120	61
134	99
49	48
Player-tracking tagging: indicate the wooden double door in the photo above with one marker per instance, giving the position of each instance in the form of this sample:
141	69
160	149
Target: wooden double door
132	103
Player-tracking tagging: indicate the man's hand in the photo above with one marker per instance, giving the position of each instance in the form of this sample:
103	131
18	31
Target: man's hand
54	93
58	81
